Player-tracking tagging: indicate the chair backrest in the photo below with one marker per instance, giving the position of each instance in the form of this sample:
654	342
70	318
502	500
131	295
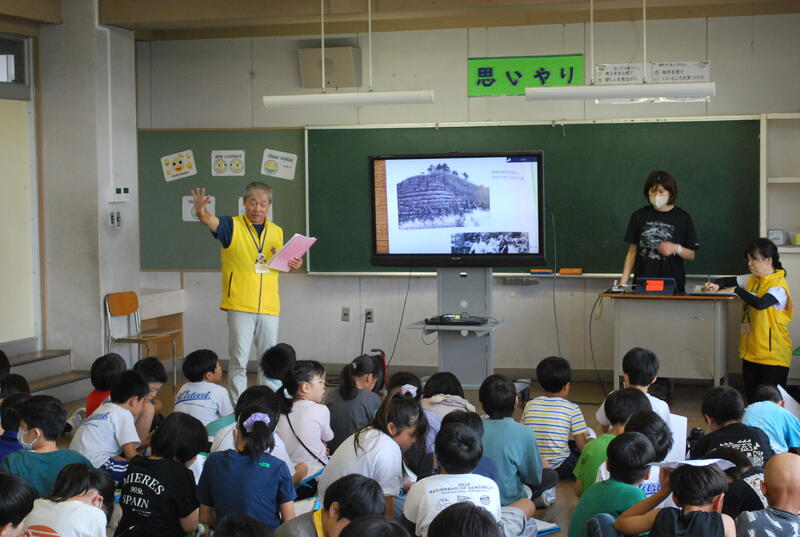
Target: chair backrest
120	304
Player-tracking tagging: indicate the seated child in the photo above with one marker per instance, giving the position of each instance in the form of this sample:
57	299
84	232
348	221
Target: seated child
203	397
723	409
108	437
16	501
464	518
410	385
767	413
781	486
247	479
305	423
275	363
698	491
9	419
553	418
458	449
374	526
353	404
241	526
41	421
639	370
376	451
619	407
81	504
346	499
12	384
629	455
158	493
653	427
154	373
102	374
443	393
511	445
744	483
486	466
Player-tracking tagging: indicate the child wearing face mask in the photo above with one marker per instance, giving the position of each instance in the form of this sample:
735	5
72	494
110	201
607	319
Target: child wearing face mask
660	235
41	421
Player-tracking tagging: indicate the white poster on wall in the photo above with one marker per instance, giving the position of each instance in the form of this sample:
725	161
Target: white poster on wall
187	208
178	165
278	164
227	162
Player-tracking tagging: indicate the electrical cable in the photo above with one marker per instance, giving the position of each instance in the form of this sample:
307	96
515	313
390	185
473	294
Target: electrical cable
422	337
591	347
402	315
363	335
555	276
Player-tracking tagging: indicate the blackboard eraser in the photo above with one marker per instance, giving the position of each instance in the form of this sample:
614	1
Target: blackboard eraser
570	271
541	271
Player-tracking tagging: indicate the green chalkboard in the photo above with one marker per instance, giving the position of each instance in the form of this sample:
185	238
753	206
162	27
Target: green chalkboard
169	243
594	174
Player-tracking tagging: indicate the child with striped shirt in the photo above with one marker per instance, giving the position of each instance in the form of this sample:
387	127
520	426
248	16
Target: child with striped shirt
553	418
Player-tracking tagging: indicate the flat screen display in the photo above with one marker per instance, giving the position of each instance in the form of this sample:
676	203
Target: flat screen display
458	209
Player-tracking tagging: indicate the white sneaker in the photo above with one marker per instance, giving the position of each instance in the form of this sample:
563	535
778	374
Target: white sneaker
75	420
546	499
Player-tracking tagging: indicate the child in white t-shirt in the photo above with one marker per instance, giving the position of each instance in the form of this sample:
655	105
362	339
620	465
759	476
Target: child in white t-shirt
376	451
203	397
81	504
639	370
458	449
108	437
305	423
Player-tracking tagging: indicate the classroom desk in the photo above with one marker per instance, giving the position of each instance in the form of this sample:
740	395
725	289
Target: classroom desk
687	333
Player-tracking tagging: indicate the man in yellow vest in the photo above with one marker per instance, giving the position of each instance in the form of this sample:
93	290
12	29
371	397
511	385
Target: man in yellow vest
249	287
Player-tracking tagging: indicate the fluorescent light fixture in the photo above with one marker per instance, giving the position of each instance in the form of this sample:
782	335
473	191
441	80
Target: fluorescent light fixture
359	98
621	91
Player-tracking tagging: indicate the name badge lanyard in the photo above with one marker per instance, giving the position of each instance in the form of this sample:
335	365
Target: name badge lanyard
746	309
259	247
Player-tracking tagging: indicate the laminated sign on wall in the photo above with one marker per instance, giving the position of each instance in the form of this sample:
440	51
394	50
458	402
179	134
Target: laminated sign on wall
187	208
178	165
278	164
227	162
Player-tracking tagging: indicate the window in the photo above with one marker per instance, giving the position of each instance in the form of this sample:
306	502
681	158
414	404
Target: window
14	67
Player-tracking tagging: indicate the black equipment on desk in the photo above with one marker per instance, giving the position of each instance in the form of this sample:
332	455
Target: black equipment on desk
456	319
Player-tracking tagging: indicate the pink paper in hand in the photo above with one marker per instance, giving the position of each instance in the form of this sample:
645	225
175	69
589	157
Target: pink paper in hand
297	246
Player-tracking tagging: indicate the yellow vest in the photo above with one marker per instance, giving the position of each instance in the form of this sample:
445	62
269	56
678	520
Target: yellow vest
768	341
242	288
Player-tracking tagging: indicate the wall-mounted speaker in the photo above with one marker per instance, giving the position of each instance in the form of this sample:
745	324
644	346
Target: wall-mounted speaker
342	67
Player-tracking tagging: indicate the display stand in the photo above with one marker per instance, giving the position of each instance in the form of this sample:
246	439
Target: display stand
464	350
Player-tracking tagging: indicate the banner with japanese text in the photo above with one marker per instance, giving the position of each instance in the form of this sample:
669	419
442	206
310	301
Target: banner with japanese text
511	75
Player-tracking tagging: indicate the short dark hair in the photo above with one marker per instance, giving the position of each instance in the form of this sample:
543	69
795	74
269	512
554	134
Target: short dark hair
628	457
105	369
16	499
77	478
498	396
696	486
553	373
401	378
241	525
198	363
9	411
470	419
13	383
374	526
661	389
641	366
458	448
356	495
655	429
767	392
181	437
5	365
276	360
44	412
151	369
738	458
622	404
464	519
444	383
658	177
128	384
723	404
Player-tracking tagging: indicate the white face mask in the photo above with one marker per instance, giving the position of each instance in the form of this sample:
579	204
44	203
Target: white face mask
25	445
658	201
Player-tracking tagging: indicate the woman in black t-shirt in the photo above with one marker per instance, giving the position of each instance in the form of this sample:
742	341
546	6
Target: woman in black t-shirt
660	235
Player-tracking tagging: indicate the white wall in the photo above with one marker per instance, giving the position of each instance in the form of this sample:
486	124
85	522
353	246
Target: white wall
208	84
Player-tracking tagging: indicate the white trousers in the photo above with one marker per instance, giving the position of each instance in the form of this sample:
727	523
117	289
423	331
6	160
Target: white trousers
244	331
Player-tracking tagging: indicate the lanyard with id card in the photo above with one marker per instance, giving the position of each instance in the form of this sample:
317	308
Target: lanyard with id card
744	327
261	266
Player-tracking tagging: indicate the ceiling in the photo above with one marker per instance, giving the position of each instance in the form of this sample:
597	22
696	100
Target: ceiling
199	19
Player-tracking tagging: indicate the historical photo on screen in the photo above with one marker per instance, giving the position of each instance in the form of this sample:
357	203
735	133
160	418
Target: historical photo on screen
495	242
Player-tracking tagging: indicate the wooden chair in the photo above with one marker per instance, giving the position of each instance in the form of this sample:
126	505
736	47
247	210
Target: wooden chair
126	304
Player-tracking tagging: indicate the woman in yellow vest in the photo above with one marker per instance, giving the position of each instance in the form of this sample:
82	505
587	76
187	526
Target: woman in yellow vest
764	342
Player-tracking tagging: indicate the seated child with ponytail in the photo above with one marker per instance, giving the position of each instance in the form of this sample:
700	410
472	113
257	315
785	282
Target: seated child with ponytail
376	450
247	479
354	404
305	423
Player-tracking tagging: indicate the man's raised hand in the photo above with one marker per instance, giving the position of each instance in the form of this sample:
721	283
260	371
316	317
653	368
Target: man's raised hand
200	199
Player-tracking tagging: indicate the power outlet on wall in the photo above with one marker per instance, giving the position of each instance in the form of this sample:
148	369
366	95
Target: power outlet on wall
345	314
368	317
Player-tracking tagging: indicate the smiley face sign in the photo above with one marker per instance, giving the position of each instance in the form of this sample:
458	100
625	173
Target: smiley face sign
178	165
227	162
